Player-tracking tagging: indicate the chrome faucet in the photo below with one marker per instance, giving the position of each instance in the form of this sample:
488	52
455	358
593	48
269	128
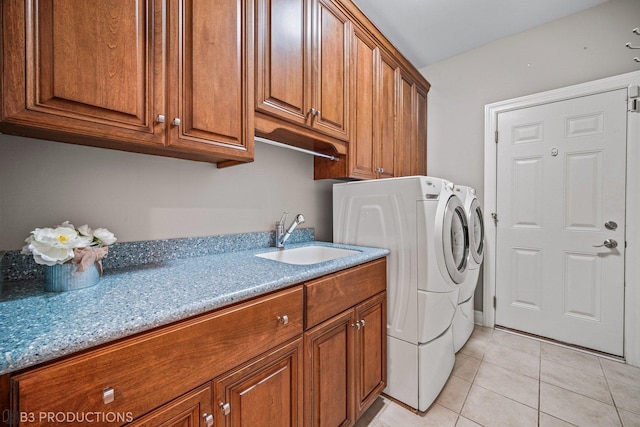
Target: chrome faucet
281	235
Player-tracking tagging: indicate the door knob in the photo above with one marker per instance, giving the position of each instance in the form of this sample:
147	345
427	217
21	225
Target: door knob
609	243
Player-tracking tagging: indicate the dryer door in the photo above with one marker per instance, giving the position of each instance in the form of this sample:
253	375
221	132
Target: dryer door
455	239
476	232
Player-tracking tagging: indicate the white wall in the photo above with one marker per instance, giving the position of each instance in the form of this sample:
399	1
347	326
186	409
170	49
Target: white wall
142	197
582	47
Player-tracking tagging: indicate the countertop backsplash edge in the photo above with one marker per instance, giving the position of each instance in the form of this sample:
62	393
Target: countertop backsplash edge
16	266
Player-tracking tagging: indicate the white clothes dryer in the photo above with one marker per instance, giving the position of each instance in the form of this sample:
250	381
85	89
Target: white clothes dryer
424	225
463	320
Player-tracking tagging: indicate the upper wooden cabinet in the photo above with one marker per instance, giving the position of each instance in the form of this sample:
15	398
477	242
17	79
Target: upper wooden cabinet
388	123
303	69
131	75
411	138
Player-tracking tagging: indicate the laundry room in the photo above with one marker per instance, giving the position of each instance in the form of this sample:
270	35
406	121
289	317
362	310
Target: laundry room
440	196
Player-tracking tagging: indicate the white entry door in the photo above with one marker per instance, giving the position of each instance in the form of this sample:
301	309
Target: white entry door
560	197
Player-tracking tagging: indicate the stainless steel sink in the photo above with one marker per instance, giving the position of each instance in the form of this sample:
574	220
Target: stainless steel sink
307	254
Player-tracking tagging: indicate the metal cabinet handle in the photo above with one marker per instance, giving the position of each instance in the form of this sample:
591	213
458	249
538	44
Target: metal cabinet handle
312	112
160	118
356	325
108	395
362	323
225	408
176	122
208	420
609	243
284	319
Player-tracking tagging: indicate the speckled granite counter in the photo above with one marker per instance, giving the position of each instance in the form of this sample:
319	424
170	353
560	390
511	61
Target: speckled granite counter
36	326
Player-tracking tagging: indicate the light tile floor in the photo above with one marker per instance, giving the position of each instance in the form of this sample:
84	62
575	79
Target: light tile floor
502	379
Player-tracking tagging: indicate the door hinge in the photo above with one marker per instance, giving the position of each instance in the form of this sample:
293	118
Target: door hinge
494	215
496	137
634	103
494	302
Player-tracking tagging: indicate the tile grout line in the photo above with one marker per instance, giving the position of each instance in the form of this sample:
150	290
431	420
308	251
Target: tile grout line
606	380
539	385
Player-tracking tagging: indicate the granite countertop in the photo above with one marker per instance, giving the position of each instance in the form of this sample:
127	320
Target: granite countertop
37	326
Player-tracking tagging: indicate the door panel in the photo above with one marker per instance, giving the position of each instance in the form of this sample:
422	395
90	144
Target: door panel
92	69
331	66
210	76
283	59
561	177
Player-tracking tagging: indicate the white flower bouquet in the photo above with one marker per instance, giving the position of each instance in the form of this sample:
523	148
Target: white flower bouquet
65	243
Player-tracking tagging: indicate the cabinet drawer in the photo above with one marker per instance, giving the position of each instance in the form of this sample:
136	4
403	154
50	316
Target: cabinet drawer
150	369
330	295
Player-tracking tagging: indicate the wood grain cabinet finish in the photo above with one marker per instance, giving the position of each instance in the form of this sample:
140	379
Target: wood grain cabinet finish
411	139
345	351
194	409
303	69
265	392
170	78
388	117
146	371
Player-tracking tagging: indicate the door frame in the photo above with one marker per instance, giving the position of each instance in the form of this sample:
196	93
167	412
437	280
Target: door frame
632	255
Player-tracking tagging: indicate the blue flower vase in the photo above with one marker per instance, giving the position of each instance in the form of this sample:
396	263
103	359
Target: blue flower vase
64	277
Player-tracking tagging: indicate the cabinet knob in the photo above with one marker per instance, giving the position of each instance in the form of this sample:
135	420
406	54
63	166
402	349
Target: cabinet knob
176	122
208	420
108	395
362	323
317	113
225	408
160	118
284	319
312	112
356	325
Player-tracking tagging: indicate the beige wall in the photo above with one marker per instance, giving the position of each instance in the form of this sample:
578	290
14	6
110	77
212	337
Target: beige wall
579	48
141	197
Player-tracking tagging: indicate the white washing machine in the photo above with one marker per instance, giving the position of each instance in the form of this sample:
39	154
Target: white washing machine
423	224
463	320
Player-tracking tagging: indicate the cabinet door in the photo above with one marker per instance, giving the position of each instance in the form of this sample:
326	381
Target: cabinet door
330	85
87	68
329	375
363	156
210	59
370	351
283	55
386	119
267	391
192	410
420	132
404	131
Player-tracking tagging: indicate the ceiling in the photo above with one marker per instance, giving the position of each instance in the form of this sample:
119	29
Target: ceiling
428	31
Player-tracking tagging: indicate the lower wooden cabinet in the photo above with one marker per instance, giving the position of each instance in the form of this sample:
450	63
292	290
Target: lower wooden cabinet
192	410
312	355
329	372
265	392
370	351
345	344
345	364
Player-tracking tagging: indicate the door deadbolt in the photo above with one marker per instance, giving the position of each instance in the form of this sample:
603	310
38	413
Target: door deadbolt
610	225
